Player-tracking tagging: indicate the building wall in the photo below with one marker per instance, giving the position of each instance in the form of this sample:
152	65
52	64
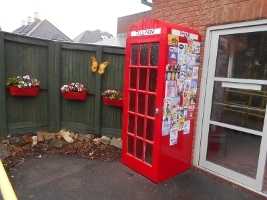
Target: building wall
125	23
199	14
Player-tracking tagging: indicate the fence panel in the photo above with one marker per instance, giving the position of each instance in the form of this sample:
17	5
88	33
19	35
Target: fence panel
25	113
111	116
75	67
56	64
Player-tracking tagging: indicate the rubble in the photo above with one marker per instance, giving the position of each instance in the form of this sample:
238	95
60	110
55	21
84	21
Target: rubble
27	138
105	140
80	137
116	142
69	144
56	143
40	136
34	140
66	136
20	143
49	136
88	137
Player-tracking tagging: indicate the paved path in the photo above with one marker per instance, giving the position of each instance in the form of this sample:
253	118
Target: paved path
51	177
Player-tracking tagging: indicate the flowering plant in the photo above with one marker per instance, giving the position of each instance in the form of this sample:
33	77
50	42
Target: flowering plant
23	82
73	87
112	94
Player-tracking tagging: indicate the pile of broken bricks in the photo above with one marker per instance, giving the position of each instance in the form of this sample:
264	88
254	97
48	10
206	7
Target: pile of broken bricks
60	139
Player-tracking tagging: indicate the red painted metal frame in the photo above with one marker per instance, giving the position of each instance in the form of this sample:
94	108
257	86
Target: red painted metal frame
167	161
15	91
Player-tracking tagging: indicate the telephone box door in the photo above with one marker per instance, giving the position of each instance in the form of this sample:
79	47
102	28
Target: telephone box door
141	103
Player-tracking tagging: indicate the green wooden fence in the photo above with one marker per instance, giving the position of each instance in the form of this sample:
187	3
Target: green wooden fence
55	64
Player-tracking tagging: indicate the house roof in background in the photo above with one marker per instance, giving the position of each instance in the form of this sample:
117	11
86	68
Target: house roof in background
118	41
92	36
42	29
23	30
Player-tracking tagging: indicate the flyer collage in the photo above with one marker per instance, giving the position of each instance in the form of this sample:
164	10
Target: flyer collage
180	86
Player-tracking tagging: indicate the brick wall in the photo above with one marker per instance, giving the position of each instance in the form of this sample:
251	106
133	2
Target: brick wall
125	23
199	14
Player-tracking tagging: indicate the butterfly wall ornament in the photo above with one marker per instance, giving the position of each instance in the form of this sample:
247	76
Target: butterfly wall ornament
95	65
102	67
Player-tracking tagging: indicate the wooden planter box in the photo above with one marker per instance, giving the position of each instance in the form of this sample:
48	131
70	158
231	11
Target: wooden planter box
15	91
113	102
75	95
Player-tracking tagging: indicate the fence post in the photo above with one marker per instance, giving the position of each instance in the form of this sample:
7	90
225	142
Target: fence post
53	86
99	56
3	114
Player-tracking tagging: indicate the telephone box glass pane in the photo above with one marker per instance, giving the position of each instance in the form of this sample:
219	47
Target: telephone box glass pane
143	54
130	148
152	82
133	73
134	54
141	103
149	153
140	126
150	130
139	149
154	54
151	105
131	123
142	79
132	101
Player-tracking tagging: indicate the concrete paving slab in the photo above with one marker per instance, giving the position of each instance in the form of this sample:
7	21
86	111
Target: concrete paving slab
70	178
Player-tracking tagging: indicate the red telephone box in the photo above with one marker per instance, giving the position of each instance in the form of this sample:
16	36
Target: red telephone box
160	85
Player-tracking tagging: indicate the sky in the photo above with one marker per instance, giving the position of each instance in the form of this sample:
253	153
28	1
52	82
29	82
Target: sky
70	17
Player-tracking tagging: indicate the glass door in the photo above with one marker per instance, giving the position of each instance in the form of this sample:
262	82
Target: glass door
234	126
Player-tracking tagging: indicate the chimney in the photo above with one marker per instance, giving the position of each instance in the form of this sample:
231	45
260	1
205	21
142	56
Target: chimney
29	20
36	15
23	23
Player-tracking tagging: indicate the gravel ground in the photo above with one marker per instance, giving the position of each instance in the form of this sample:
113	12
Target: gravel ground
91	150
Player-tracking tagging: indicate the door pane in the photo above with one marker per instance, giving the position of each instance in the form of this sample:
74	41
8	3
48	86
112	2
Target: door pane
134	54
242	55
235	150
131	123
150	129
130	146
152	82
140	126
142	79
154	54
139	149
143	54
240	107
149	153
133	74
141	103
151	105
132	100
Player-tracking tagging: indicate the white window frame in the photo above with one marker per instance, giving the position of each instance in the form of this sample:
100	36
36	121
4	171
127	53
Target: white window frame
205	70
